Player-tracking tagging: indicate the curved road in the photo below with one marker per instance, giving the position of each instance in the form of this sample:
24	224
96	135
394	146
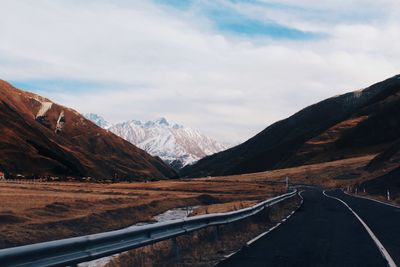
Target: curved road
384	220
323	232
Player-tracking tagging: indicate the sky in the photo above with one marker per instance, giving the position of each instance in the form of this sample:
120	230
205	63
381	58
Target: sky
228	68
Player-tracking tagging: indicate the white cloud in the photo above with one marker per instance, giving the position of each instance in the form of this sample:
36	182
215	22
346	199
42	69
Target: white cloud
156	61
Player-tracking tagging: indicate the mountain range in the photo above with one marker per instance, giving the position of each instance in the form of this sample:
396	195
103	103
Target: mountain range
175	144
358	123
40	137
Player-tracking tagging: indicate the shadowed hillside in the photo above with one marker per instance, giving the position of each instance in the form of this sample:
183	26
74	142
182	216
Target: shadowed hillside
353	124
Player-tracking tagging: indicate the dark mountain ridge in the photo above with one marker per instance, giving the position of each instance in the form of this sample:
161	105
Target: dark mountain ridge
357	123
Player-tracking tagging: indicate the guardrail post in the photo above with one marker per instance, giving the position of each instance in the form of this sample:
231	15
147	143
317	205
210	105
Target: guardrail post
176	250
216	233
287	184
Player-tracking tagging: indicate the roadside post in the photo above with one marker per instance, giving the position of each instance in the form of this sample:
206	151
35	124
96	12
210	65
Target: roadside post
176	250
287	184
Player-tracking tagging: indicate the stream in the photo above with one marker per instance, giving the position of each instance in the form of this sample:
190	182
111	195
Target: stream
169	215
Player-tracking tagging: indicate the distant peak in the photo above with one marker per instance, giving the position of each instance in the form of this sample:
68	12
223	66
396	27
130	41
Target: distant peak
92	115
177	126
98	120
136	122
162	121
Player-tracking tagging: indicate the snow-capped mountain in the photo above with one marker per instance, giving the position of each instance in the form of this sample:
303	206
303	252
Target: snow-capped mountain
99	120
174	143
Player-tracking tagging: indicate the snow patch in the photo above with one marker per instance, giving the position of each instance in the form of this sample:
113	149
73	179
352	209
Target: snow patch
358	93
44	108
60	122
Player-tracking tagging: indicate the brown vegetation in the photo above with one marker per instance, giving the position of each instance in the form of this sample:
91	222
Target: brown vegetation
39	212
46	211
32	143
207	246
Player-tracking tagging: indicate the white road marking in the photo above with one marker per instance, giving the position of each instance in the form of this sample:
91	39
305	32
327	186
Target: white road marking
259	236
269	230
378	243
381	202
229	255
272	228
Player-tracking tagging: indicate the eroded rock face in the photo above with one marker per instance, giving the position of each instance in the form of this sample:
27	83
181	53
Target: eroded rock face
60	122
40	137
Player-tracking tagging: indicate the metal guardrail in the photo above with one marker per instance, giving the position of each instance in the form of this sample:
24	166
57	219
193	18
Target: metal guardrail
22	181
74	250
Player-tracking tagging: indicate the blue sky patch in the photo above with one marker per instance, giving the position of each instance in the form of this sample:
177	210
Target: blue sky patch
255	28
229	20
180	4
53	85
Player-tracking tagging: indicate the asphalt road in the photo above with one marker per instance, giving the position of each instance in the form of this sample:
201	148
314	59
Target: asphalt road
383	220
323	232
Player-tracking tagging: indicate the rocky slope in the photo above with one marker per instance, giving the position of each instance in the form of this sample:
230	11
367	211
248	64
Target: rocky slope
357	123
175	144
40	137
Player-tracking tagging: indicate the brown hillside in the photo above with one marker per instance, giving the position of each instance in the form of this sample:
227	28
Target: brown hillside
40	137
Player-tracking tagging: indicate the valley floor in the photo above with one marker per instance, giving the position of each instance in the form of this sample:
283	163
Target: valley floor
31	213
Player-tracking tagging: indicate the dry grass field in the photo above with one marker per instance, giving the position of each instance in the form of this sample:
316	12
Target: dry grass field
38	212
208	246
32	213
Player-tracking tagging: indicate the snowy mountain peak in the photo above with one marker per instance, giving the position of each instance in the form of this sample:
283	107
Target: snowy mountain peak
135	122
98	120
174	143
177	126
162	121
